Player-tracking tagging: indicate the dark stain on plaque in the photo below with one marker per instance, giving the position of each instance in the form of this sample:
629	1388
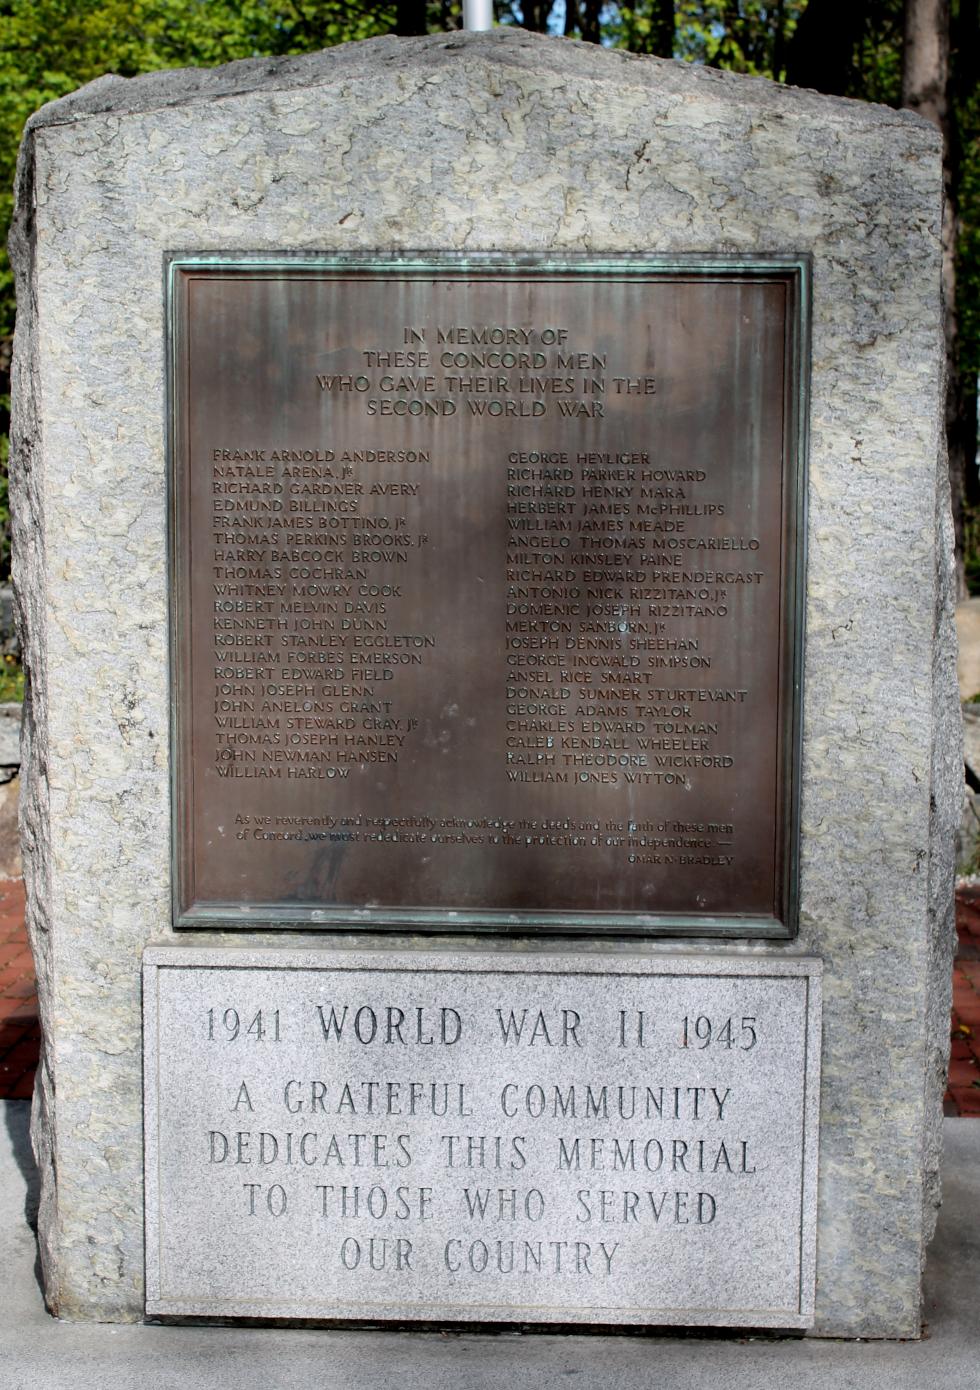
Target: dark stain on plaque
486	584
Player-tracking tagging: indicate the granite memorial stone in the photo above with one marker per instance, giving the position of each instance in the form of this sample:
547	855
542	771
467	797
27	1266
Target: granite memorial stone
764	283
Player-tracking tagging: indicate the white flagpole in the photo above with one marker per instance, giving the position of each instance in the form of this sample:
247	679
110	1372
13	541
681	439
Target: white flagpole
478	14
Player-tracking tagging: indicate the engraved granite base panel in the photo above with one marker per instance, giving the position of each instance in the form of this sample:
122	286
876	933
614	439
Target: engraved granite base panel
481	1137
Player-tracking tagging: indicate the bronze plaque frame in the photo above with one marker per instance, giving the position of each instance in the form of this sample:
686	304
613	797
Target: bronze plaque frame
618	276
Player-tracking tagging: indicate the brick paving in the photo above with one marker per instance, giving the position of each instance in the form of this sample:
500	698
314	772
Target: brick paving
20	1033
963	1093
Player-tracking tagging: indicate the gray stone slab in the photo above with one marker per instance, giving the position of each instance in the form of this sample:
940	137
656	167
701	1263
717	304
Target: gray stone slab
491	1138
518	143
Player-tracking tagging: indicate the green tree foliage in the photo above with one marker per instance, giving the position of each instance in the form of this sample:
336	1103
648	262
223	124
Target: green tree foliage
745	36
50	47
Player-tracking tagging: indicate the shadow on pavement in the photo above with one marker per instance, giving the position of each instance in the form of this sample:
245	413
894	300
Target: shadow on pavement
17	1116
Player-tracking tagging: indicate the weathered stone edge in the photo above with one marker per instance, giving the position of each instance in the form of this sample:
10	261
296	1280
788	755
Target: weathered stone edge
121	96
26	485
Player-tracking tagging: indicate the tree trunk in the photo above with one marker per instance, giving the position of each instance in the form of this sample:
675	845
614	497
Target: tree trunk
411	17
663	28
820	55
590	21
779	41
535	15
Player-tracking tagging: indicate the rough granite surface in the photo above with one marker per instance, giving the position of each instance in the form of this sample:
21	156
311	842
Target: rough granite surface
509	142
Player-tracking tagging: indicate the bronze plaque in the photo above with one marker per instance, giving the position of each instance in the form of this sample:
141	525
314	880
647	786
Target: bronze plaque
486	592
